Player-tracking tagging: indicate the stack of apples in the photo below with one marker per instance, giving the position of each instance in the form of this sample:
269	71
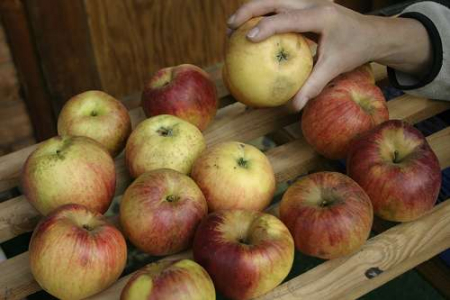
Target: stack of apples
211	198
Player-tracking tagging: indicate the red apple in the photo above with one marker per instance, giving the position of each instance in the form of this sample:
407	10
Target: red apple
342	111
69	169
161	210
328	214
234	175
76	253
185	91
397	168
170	280
246	253
163	141
362	73
99	116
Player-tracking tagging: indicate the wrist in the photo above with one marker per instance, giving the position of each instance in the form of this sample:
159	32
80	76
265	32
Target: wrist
404	45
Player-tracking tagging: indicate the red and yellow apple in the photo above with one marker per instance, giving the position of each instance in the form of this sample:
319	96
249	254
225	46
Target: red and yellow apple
69	169
185	91
163	141
362	73
234	175
268	73
99	116
328	214
397	168
75	253
343	110
161	210
246	253
170	280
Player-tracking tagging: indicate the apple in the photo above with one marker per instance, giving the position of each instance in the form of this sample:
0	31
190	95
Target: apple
163	141
397	168
234	175
99	116
362	73
328	214
170	280
268	73
161	210
75	253
342	111
185	91
69	169
246	253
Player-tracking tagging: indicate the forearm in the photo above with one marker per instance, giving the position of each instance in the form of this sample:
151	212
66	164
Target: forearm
405	45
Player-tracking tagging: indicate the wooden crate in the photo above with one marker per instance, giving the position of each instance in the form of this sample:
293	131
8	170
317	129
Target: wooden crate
394	252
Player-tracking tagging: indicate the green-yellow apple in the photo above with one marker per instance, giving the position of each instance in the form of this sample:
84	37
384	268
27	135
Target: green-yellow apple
234	175
328	214
170	280
69	169
99	116
163	141
246	253
268	73
345	109
397	168
161	210
185	91
75	253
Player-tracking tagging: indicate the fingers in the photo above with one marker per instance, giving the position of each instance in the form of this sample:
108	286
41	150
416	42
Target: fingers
322	73
252	9
305	20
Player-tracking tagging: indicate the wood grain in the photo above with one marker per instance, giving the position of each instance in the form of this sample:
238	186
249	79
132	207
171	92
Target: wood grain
393	252
64	46
133	39
14	19
234	122
278	157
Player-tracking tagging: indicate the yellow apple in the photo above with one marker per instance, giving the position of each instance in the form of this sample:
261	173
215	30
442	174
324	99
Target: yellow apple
267	73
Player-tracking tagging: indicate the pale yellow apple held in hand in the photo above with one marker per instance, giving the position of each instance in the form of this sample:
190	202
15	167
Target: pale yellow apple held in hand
267	73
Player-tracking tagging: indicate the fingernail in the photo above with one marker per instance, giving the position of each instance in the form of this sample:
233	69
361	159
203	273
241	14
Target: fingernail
231	19
253	33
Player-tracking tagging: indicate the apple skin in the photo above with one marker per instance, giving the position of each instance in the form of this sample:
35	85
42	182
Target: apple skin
76	253
362	73
185	91
328	214
170	280
343	110
234	175
163	141
267	73
161	210
99	116
69	169
397	168
246	253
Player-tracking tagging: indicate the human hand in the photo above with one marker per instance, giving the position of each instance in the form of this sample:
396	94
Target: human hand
346	39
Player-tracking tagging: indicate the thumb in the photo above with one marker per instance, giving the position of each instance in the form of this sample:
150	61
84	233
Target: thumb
323	72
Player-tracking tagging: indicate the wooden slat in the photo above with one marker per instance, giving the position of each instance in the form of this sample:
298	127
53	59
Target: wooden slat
393	252
234	122
278	157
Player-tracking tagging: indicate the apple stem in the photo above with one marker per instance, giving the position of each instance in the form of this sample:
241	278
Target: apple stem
87	227
396	154
163	131
94	113
282	55
172	198
242	162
